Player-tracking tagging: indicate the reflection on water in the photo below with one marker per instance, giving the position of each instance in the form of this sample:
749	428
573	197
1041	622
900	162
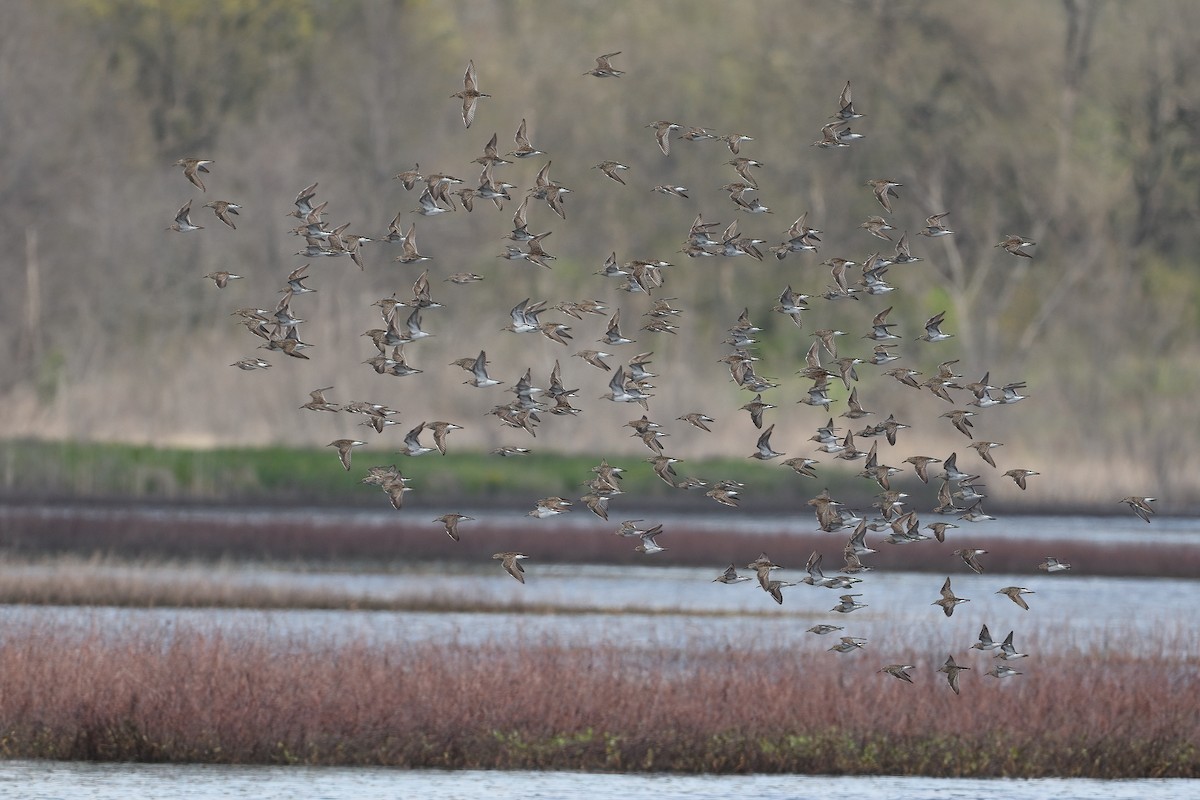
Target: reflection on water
39	780
680	607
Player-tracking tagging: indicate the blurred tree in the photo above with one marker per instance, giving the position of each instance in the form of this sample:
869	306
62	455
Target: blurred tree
197	64
1073	123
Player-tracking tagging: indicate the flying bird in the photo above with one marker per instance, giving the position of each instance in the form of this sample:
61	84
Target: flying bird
951	669
764	451
883	189
450	521
1015	245
344	446
1140	506
949	600
604	69
223	208
1014	593
183	220
611	168
730	575
222	278
470	95
511	561
899	671
191	169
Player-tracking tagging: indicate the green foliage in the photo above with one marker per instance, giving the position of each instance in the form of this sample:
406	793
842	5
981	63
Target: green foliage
85	469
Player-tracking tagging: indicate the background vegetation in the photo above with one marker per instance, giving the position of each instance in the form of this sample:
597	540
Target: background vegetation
1073	123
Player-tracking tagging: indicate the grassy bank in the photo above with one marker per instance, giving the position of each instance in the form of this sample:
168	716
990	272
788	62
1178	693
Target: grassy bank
94	470
277	475
203	697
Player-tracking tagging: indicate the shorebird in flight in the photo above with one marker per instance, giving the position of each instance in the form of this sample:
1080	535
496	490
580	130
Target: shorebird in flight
193	166
775	589
1014	593
524	148
251	363
611	169
883	189
604	69
846	112
848	604
409	177
961	421
933	329
1140	506
1003	671
662	134
550	507
985	640
649	544
952	669
409	245
183	220
222	278
949	600
899	671
450	521
1008	651
478	368
730	575
764	451
921	465
802	466
831	136
223	208
1019	475
318	401
511	561
970	557
934	227
412	444
440	431
939	529
470	94
1015	245
344	447
848	644
877	226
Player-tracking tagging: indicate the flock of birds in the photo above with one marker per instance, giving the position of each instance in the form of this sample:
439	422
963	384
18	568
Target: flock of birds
401	325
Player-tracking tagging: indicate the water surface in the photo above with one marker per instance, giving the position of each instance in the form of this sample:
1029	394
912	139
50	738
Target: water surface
47	780
681	608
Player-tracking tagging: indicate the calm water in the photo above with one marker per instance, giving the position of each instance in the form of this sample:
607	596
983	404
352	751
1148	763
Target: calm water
680	607
652	606
34	780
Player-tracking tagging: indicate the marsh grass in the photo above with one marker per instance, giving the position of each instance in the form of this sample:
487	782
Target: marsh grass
197	696
390	539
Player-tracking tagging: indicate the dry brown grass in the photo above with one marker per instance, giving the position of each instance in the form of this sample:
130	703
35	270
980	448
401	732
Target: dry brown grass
200	696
